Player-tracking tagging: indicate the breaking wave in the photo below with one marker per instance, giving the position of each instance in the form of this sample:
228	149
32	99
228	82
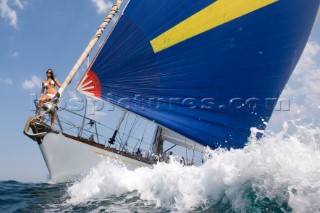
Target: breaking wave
280	172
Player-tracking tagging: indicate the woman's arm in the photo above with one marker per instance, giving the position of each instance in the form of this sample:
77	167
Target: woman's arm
42	89
57	83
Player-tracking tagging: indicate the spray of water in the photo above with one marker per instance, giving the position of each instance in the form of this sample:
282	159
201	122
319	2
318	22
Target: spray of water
281	167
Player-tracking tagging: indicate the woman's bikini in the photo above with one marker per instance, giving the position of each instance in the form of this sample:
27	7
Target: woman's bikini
46	85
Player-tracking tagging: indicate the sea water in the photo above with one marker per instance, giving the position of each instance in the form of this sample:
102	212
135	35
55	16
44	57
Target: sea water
280	173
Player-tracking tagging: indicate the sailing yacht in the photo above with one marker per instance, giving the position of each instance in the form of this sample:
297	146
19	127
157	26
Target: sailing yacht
204	73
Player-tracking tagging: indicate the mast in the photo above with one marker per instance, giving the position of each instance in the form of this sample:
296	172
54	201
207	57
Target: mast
92	43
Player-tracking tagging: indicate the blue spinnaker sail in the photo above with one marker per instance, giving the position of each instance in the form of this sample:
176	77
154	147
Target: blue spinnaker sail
209	70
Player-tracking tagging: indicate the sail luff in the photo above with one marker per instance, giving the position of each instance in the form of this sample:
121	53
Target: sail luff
92	43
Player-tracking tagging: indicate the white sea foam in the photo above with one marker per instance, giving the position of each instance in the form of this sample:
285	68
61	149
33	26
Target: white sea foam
280	167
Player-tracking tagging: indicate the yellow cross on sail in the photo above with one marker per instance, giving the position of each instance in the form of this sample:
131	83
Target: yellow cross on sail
216	14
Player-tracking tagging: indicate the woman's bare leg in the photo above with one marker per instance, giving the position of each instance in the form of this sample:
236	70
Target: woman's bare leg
40	105
42	100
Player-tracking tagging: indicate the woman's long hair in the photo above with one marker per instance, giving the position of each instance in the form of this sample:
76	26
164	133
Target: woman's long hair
52	74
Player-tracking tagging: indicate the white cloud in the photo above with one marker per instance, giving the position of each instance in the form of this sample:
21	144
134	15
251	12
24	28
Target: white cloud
305	82
18	4
34	82
303	89
7	81
8	13
102	6
15	54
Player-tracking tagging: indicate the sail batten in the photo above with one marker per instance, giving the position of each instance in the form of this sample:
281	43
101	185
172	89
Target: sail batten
209	83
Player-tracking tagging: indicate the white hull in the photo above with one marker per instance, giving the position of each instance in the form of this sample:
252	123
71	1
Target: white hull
68	158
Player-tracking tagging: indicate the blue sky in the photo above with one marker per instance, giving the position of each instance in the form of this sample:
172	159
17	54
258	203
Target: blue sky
39	34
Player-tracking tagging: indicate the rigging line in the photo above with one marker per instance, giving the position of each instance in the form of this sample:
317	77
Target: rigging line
144	132
65	121
87	136
88	119
185	142
119	140
192	160
125	143
135	146
170	148
138	126
73	126
132	127
92	132
125	127
142	138
130	131
109	128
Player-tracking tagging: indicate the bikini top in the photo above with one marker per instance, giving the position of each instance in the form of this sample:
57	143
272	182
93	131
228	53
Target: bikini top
51	83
